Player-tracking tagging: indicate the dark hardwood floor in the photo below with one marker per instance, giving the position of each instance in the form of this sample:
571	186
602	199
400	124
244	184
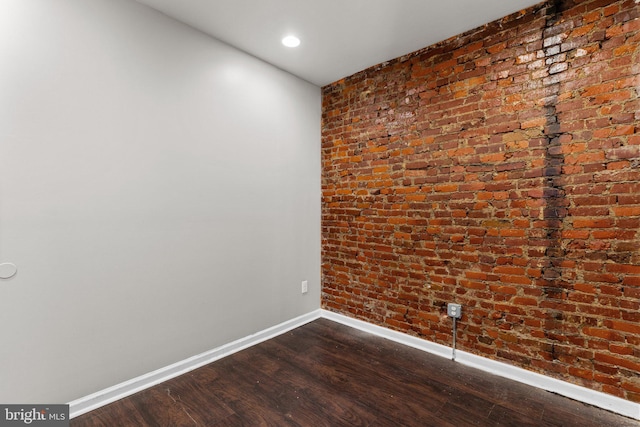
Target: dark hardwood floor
327	374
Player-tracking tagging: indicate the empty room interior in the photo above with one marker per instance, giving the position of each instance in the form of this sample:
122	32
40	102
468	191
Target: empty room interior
321	213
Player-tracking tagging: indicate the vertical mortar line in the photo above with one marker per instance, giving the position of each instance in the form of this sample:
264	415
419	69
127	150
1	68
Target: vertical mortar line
555	209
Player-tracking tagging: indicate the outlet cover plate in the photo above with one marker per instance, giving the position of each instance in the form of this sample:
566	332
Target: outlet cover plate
454	310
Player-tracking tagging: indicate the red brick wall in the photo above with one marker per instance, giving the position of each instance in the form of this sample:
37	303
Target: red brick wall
499	169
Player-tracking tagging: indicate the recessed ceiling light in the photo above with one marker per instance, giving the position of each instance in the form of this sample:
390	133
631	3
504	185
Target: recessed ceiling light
291	41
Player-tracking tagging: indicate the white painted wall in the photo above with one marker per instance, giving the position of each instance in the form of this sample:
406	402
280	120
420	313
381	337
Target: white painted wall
159	193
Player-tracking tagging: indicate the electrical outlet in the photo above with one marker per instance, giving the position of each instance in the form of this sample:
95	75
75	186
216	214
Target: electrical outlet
305	287
454	310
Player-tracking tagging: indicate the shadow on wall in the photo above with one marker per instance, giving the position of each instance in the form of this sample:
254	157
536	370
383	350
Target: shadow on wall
555	286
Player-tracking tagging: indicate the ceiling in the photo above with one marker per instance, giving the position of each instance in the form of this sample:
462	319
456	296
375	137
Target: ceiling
339	37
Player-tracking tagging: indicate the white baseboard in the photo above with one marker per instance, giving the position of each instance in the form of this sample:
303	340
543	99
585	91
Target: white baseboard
399	337
563	388
127	388
581	394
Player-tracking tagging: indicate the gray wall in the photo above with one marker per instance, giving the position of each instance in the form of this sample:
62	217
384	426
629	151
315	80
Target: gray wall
159	193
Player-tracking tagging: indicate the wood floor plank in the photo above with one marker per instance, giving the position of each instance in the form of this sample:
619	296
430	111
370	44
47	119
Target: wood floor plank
504	417
327	374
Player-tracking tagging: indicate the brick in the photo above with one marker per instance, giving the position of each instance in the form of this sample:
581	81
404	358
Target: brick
626	211
525	301
617	361
598	89
575	234
633	328
446	188
537	122
582	287
623	268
